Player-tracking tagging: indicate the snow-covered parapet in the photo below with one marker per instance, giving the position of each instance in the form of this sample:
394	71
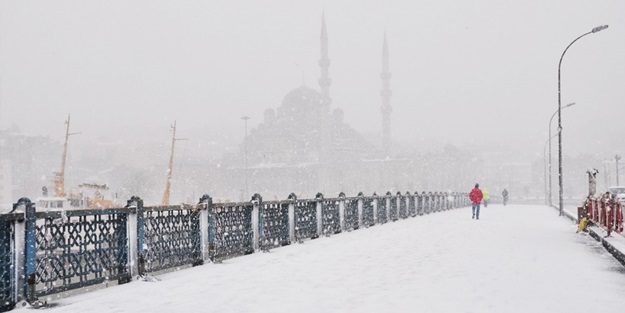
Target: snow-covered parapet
592	181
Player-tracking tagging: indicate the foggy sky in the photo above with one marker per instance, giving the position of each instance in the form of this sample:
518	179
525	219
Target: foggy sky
464	72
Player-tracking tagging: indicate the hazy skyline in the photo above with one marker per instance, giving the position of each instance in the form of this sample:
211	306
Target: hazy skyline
465	73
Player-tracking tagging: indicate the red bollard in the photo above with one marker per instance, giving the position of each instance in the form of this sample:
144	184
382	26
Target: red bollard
619	217
610	219
603	218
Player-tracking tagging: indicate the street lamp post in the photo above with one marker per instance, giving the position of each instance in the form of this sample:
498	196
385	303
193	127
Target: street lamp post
547	190
549	140
245	118
617	158
594	30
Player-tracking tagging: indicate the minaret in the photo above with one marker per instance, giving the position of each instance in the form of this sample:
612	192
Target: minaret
324	63
386	101
325	136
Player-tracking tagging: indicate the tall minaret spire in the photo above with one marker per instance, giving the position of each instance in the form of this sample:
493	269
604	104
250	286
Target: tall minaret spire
386	100
323	118
324	63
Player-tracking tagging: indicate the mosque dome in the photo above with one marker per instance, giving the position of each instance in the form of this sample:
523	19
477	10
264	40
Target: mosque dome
300	103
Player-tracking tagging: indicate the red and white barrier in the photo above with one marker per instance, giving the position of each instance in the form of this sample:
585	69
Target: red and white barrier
605	212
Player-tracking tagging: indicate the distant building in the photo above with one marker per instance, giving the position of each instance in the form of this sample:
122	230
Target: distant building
6	185
28	163
305	146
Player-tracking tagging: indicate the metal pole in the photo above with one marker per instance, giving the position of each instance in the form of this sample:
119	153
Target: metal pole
547	190
594	30
245	118
605	174
550	120
617	158
545	169
550	194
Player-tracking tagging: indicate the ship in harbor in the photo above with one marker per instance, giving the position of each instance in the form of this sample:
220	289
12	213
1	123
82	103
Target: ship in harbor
87	196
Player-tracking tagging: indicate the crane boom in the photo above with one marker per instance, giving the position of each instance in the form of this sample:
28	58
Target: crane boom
171	165
59	179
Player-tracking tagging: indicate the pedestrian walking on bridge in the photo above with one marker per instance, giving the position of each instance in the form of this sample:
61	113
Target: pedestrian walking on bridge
476	198
485	196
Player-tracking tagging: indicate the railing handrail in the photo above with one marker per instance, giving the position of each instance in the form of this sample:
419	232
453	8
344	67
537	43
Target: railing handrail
140	242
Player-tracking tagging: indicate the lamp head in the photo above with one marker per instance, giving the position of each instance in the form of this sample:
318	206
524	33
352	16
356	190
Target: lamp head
599	28
570	104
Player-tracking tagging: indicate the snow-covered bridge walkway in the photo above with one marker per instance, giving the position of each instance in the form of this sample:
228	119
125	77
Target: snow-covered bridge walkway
514	259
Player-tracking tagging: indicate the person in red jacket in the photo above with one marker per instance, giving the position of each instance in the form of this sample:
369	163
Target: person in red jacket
476	198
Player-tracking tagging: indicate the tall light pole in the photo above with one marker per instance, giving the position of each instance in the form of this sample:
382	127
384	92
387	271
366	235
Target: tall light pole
549	140
547	190
617	158
594	30
245	118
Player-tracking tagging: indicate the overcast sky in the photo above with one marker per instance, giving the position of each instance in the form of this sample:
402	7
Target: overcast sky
464	72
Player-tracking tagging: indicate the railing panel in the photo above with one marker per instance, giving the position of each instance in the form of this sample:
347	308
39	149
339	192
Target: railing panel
330	215
305	219
171	237
274	224
79	248
382	210
420	203
393	213
351	213
402	207
367	212
233	232
7	265
412	205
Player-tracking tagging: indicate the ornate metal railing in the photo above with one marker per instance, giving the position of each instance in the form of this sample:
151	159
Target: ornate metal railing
368	216
232	230
305	219
330	212
437	202
274	224
382	209
392	209
429	197
350	213
402	208
171	237
420	198
79	248
412	204
8	260
43	253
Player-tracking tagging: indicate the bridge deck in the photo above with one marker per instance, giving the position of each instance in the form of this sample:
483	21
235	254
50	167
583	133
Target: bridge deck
517	258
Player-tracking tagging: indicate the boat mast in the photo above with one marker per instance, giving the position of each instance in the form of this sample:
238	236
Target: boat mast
59	181
171	165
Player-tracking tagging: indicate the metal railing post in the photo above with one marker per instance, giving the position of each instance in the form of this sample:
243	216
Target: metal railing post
257	223
30	250
319	200
375	208
20	260
342	211
140	234
133	238
293	198
360	205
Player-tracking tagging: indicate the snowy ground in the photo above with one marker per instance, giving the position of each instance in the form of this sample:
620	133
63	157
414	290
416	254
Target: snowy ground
514	259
